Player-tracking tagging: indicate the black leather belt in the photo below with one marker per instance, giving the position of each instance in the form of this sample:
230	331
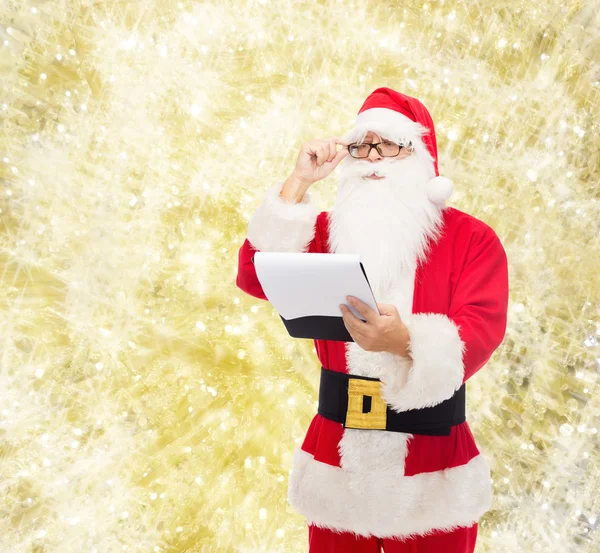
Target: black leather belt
356	402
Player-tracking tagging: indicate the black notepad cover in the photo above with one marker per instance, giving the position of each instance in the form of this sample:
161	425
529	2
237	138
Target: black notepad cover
318	327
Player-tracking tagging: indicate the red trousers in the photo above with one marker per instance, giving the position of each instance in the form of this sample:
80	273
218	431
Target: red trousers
460	540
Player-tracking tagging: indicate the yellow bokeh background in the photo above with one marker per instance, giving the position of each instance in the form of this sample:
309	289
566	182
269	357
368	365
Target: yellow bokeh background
146	403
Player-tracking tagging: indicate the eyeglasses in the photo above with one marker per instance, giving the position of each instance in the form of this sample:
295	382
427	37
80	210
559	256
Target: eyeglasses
385	149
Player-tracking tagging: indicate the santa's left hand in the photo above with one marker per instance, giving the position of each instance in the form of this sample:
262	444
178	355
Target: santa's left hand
380	332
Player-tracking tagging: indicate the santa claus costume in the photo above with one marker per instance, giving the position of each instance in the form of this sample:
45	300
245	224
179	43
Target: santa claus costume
361	489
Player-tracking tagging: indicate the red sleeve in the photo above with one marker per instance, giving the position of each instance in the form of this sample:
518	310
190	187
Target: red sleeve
246	276
247	280
480	302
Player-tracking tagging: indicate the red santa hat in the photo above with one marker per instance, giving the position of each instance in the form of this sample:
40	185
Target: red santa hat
402	118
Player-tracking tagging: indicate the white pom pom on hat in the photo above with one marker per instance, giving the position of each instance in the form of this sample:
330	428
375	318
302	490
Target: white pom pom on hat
439	189
388	109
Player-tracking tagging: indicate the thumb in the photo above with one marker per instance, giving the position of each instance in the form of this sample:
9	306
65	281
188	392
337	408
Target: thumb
339	156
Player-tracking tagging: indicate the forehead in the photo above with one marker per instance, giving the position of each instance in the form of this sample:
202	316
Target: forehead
372	135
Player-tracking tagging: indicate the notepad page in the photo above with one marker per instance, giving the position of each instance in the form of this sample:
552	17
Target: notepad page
309	284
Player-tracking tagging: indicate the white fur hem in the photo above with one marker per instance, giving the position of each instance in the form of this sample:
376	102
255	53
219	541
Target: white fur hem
436	371
281	226
389	504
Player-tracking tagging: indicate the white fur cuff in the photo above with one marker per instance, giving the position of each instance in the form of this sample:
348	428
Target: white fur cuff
281	226
436	370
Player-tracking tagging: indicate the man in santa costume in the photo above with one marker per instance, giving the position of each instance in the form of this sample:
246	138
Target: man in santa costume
402	471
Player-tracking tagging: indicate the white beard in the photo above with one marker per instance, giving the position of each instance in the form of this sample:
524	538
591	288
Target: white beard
388	222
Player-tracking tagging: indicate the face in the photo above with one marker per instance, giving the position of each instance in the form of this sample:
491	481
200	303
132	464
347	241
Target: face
375	157
386	217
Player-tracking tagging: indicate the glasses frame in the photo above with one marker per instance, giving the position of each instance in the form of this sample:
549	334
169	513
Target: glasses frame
410	149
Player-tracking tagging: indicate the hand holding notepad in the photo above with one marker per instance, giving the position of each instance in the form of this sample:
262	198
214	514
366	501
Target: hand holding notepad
306	289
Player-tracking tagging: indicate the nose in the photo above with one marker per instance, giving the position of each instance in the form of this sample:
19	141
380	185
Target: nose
374	155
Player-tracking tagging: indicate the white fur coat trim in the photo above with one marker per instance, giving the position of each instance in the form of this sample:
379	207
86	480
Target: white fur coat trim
387	503
436	371
281	226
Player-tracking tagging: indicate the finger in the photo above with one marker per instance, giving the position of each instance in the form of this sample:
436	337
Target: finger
320	155
352	328
339	140
353	321
366	311
339	156
332	150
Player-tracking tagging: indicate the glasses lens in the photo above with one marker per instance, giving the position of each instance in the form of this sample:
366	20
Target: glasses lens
389	149
360	150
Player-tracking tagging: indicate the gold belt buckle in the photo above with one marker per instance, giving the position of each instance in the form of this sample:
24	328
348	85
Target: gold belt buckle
355	418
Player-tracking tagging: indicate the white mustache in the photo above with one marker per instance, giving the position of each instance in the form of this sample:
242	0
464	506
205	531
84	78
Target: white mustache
364	169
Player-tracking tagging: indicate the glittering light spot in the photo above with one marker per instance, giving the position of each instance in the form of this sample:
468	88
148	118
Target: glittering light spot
262	513
532	175
452	134
200	326
452	15
590	341
39	373
502	43
566	429
43	76
99	366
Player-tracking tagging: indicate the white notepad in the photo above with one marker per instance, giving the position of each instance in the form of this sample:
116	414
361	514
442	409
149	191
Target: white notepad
309	287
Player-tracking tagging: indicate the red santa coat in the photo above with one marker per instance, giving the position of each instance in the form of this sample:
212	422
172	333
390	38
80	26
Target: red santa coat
391	484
